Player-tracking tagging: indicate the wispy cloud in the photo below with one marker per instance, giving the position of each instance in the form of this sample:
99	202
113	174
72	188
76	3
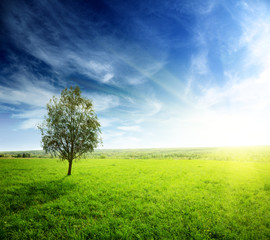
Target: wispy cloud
120	140
164	73
199	63
130	128
28	98
245	59
251	93
28	91
154	106
106	122
35	113
248	83
30	123
72	48
236	110
103	102
256	34
143	110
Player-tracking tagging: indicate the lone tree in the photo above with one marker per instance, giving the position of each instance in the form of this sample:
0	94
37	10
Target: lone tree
71	127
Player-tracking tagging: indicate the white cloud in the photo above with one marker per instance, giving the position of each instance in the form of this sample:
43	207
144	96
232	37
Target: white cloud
36	113
207	7
109	136
136	80
130	128
30	123
256	34
144	111
100	71
107	77
103	102
235	111
240	90
27	92
199	63
153	107
119	140
30	118
64	49
99	67
106	122
67	50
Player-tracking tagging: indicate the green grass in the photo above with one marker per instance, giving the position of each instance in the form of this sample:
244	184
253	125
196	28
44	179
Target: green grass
223	194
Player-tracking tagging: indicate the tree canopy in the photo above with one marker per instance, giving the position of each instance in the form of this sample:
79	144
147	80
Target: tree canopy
71	127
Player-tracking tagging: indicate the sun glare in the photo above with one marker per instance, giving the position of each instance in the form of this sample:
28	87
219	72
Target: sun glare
210	129
234	131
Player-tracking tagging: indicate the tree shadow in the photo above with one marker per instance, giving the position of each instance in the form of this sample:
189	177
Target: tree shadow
36	193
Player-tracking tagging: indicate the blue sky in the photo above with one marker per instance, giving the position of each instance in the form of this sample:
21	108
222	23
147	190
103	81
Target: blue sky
160	73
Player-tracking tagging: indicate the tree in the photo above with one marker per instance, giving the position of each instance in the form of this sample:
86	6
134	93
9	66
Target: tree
71	127
26	155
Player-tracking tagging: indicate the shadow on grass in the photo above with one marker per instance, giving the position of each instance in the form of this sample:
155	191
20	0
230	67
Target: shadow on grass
32	194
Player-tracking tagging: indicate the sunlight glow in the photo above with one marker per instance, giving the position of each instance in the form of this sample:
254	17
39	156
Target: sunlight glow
232	131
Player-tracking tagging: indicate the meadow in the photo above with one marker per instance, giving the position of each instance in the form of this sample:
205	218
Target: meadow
204	193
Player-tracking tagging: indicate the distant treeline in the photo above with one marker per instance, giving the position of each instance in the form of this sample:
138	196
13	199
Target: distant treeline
158	153
259	153
19	155
24	154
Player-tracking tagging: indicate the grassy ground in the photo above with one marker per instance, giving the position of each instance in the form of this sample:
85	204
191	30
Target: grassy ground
222	197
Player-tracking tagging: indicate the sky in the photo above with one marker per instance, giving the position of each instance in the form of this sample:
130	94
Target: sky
172	73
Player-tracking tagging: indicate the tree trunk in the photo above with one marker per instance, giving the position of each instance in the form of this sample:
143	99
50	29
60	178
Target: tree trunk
69	167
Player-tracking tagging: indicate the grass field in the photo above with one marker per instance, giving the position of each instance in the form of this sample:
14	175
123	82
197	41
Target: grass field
216	194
